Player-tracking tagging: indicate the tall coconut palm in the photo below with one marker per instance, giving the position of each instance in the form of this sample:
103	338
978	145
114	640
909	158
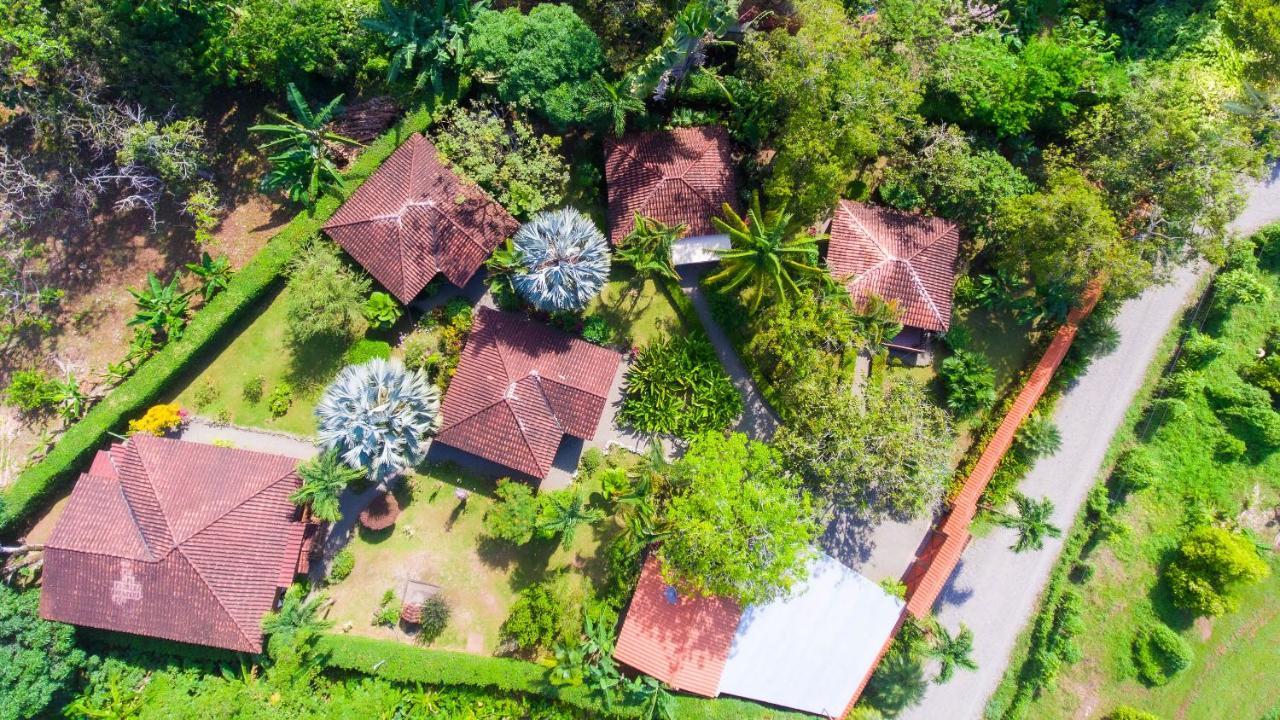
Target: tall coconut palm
648	247
301	166
562	513
952	651
377	417
565	258
767	251
1031	522
428	38
298	617
324	477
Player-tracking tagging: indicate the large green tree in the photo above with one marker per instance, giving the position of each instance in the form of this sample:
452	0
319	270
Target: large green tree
37	657
1210	568
738	524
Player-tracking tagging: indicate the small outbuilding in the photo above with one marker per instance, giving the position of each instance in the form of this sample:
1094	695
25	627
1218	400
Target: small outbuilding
677	177
812	650
520	388
902	256
415	218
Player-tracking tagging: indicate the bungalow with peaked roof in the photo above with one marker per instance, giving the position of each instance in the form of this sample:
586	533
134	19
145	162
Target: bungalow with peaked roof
812	650
176	540
677	177
520	388
415	217
907	257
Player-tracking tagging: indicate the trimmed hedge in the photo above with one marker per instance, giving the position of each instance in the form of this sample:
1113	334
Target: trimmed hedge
74	449
410	664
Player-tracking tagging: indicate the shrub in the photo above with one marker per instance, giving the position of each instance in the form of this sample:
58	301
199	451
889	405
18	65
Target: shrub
388	612
1247	411
591	460
1159	653
1135	469
1238	287
206	394
38	658
514	516
280	399
252	390
343	563
1210	567
1124	712
418	346
677	386
1199	349
1264	372
365	350
595	329
159	420
521	169
31	391
565	261
435	616
325	297
969	382
1183	384
381	310
535	619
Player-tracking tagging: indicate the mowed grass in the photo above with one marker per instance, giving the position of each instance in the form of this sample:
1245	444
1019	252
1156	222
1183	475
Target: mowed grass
439	541
1237	655
638	311
259	349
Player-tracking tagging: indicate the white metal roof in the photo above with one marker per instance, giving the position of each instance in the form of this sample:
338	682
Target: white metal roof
810	651
700	249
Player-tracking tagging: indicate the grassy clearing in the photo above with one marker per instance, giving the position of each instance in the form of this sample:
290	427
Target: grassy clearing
435	540
1236	656
638	311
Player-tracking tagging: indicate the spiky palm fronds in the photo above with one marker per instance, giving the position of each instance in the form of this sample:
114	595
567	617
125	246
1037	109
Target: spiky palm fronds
767	250
323	480
566	260
377	417
301	166
1032	522
298	617
648	247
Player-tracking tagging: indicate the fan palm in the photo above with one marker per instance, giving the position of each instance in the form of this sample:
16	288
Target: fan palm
612	103
952	651
767	251
377	416
301	166
324	477
427	39
161	308
1031	522
565	259
562	513
298	617
648	247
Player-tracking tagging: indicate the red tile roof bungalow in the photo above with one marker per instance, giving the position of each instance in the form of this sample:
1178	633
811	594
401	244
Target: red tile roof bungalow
811	651
681	176
175	540
520	387
900	256
415	217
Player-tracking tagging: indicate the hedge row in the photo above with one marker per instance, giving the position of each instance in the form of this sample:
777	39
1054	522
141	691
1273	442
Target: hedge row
38	483
403	663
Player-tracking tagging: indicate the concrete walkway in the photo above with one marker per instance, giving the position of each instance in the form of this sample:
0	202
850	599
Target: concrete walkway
995	591
205	431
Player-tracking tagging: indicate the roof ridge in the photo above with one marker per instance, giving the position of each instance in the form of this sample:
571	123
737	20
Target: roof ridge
520	430
924	293
575	387
265	487
131	448
221	605
133	517
537	379
869	235
944	230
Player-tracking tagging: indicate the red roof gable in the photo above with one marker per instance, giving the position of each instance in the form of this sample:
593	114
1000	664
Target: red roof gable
176	540
684	643
899	256
520	387
414	217
680	176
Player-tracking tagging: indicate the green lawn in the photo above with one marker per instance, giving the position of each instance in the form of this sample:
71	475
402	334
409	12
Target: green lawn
1234	672
436	541
259	349
638	311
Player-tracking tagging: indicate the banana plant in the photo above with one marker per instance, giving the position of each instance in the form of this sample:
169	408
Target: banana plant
161	309
301	166
427	39
214	274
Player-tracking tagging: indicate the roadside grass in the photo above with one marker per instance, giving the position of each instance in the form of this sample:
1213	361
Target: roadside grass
1235	655
438	541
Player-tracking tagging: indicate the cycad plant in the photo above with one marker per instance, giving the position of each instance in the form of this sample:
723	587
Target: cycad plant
377	417
563	512
648	247
766	251
161	308
324	477
428	38
301	165
565	259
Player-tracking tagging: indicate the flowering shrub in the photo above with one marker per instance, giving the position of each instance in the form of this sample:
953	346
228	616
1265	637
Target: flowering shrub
159	420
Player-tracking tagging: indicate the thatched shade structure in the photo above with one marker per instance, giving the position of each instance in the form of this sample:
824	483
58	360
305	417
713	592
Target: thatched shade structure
411	613
381	513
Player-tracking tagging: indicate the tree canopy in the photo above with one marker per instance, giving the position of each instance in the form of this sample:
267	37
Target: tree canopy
37	657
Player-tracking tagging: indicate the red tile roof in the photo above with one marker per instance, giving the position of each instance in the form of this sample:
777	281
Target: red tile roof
176	540
414	217
680	176
520	387
899	256
683	643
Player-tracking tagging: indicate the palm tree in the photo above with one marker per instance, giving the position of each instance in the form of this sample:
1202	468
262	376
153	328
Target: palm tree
377	417
298	617
952	651
767	251
504	264
562	513
161	308
648	247
1031	522
876	322
612	103
427	39
699	24
214	274
324	477
565	258
302	166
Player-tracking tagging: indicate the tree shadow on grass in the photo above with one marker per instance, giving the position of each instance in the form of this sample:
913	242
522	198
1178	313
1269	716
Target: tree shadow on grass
1161	598
527	563
375	537
316	362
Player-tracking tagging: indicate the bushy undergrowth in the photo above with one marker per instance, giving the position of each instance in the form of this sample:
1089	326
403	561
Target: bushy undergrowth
677	386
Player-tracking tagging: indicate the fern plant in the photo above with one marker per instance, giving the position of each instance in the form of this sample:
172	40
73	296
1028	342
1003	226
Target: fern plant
377	417
565	258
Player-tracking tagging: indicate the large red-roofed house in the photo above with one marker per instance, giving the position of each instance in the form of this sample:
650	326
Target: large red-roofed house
415	217
907	257
175	540
520	387
677	177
